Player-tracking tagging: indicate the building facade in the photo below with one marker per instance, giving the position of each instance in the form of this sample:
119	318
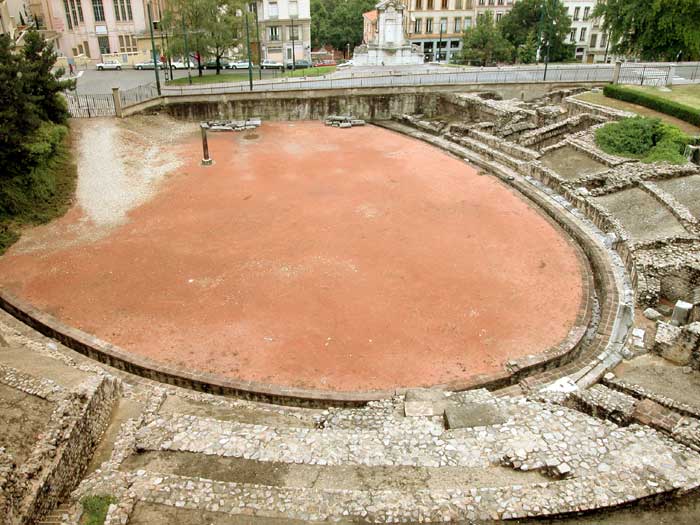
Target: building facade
590	41
285	30
94	29
437	26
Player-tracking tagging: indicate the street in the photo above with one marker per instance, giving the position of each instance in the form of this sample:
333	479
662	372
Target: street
92	82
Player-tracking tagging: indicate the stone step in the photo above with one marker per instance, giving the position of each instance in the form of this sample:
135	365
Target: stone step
605	403
525	435
515	501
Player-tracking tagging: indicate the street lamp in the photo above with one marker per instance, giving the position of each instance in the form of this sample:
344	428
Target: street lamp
442	28
153	48
257	34
294	62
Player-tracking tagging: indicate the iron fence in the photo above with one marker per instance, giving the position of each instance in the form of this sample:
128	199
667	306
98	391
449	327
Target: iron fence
645	75
554	73
132	96
86	106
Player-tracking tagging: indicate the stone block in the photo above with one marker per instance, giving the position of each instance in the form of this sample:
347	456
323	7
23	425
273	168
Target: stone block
473	415
681	313
652	314
424	402
664	309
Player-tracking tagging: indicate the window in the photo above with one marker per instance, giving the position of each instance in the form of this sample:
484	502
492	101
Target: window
430	4
127	44
577	12
443	25
122	11
428	25
274	33
445	4
69	20
103	44
467	22
500	2
603	40
419	5
582	38
572	36
481	2
274	10
490	2
293	9
458	25
99	11
86	47
458	4
586	12
594	40
293	32
499	16
417	26
74	12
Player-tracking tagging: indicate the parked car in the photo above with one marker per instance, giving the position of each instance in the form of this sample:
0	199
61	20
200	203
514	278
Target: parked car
325	63
240	64
271	64
299	64
211	64
179	64
149	65
109	64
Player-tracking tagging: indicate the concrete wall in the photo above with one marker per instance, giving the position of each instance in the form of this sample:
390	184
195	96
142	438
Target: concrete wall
367	103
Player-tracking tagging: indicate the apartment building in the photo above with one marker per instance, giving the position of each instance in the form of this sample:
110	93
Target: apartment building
591	42
437	26
285	30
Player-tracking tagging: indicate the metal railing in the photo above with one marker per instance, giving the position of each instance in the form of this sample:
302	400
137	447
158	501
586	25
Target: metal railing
505	75
132	96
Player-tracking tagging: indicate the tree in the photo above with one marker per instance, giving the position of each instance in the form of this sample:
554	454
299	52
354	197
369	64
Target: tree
30	95
338	22
652	30
547	17
527	52
42	84
213	28
484	44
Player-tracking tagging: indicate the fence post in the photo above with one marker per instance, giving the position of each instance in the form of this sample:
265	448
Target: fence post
117	102
671	74
616	72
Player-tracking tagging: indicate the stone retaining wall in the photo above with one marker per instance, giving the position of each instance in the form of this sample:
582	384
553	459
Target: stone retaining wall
60	457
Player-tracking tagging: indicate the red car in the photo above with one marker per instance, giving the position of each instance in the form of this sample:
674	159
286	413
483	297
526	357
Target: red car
324	63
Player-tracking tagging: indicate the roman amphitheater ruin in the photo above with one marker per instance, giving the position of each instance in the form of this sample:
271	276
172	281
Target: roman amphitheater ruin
463	311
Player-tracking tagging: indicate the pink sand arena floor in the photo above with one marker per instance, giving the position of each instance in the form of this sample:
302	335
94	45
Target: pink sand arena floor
321	258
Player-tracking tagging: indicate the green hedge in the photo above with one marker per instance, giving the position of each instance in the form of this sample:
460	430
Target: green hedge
660	104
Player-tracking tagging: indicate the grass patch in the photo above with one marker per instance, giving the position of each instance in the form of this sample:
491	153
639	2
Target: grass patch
45	192
651	100
242	76
212	79
602	100
310	72
688	95
95	509
646	139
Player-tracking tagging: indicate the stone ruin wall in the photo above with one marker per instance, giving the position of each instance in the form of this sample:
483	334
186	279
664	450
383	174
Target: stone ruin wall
59	459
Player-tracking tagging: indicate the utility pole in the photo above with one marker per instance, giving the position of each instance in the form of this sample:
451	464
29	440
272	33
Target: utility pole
187	52
165	50
153	48
247	37
294	62
257	34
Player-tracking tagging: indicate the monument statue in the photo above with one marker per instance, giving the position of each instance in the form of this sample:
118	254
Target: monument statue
389	45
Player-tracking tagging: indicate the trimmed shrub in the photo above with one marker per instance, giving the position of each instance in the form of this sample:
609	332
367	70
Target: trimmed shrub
647	139
651	101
